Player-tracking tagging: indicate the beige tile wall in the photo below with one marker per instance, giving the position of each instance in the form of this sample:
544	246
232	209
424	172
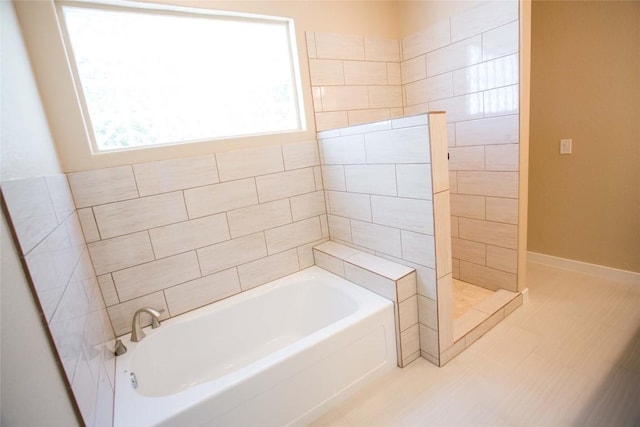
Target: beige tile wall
47	226
180	234
355	79
467	65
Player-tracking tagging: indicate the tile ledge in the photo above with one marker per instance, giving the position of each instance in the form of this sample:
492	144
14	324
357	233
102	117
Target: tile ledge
380	266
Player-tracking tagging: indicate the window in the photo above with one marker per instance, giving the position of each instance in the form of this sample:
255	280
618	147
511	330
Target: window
151	74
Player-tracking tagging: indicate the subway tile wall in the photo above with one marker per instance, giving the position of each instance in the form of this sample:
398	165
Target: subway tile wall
47	226
467	65
180	234
355	79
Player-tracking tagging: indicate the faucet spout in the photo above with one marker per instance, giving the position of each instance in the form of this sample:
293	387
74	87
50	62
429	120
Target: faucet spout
137	334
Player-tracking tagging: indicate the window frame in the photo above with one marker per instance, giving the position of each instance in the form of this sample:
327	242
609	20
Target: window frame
175	10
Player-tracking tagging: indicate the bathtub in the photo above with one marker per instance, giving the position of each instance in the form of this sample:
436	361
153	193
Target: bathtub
279	354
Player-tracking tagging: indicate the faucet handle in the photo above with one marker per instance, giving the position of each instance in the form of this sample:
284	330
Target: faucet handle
120	348
155	320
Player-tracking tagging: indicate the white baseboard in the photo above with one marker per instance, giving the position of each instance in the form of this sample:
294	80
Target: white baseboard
586	268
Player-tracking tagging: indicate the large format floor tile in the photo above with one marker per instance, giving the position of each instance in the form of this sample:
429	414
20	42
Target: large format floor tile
569	356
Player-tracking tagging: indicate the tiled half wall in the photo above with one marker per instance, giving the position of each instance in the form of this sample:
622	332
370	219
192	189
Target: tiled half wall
379	181
179	234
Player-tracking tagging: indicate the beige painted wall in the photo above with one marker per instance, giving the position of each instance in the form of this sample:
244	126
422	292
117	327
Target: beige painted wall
25	150
32	388
38	22
585	85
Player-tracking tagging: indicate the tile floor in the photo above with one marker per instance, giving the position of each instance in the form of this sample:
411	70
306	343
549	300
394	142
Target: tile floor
568	356
466	296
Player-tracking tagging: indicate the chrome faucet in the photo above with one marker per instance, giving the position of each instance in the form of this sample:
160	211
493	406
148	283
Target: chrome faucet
137	334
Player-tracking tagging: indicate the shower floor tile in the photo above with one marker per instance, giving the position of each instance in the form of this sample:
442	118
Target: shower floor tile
466	296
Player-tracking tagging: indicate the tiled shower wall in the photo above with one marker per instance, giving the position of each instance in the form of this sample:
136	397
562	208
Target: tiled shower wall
355	79
46	224
467	65
179	234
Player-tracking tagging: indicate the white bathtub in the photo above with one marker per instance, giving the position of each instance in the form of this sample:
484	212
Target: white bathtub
280	354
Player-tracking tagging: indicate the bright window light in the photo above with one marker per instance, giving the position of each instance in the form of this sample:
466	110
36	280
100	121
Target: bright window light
151	77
